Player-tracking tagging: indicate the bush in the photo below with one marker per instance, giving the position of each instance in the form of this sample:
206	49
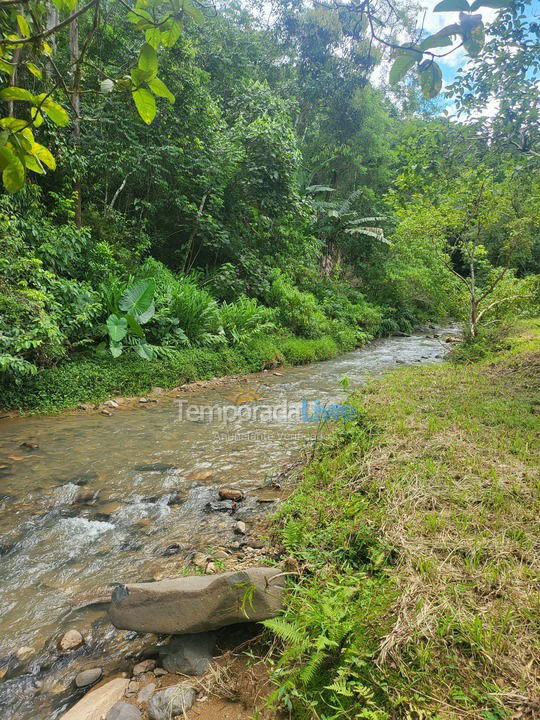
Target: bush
297	311
245	318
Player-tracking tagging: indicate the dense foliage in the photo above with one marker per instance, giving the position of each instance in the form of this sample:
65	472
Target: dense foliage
283	194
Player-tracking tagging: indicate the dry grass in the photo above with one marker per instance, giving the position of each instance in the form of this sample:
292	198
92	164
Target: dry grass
450	484
459	462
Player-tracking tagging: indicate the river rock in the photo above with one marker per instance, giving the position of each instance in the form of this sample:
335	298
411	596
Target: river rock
198	603
240	528
123	711
133	688
71	641
24	652
188	654
97	703
144	666
88	677
172	549
175	700
219	506
87	496
146	693
230	494
201	476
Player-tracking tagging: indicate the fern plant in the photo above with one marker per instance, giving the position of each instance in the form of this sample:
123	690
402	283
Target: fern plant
245	318
324	669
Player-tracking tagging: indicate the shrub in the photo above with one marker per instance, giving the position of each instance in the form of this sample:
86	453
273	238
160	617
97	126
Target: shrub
245	318
297	311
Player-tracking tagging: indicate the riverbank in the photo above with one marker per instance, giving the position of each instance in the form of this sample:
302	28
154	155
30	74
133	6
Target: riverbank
415	531
92	500
94	379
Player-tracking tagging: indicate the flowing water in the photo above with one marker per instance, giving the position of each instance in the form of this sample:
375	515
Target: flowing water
156	467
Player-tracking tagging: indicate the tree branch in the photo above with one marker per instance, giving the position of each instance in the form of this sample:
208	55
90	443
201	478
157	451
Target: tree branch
51	31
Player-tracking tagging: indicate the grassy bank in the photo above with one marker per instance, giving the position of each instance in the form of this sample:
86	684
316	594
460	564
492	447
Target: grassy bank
95	379
415	531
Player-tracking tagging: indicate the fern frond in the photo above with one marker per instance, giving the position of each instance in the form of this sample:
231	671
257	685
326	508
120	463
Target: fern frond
286	630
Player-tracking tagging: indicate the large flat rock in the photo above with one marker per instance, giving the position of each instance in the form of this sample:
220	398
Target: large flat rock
96	704
198	603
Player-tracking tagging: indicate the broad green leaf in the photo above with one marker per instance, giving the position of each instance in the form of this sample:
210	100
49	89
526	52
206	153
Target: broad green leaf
4	137
55	111
193	12
13	124
473	42
28	135
16	93
144	350
116	348
496	4
66	5
37	117
159	88
6	67
141	76
430	80
34	164
140	17
134	325
13	175
153	37
171	34
145	104
138	297
6	156
34	70
117	327
44	155
402	65
24	27
148	59
452	6
442	38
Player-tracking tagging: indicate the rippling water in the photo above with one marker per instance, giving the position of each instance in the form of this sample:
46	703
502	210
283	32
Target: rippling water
147	464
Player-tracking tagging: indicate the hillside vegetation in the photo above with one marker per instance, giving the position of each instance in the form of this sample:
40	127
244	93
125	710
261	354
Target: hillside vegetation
214	191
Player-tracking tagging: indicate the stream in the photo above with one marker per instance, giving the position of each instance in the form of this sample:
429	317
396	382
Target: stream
89	500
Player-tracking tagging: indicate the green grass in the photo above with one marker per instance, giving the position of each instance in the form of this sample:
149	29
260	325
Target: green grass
415	531
94	379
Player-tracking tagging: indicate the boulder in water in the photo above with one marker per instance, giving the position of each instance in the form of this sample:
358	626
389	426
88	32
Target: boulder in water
198	604
70	641
88	677
219	506
227	493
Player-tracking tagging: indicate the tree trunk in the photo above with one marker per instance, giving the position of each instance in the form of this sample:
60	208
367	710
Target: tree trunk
76	105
